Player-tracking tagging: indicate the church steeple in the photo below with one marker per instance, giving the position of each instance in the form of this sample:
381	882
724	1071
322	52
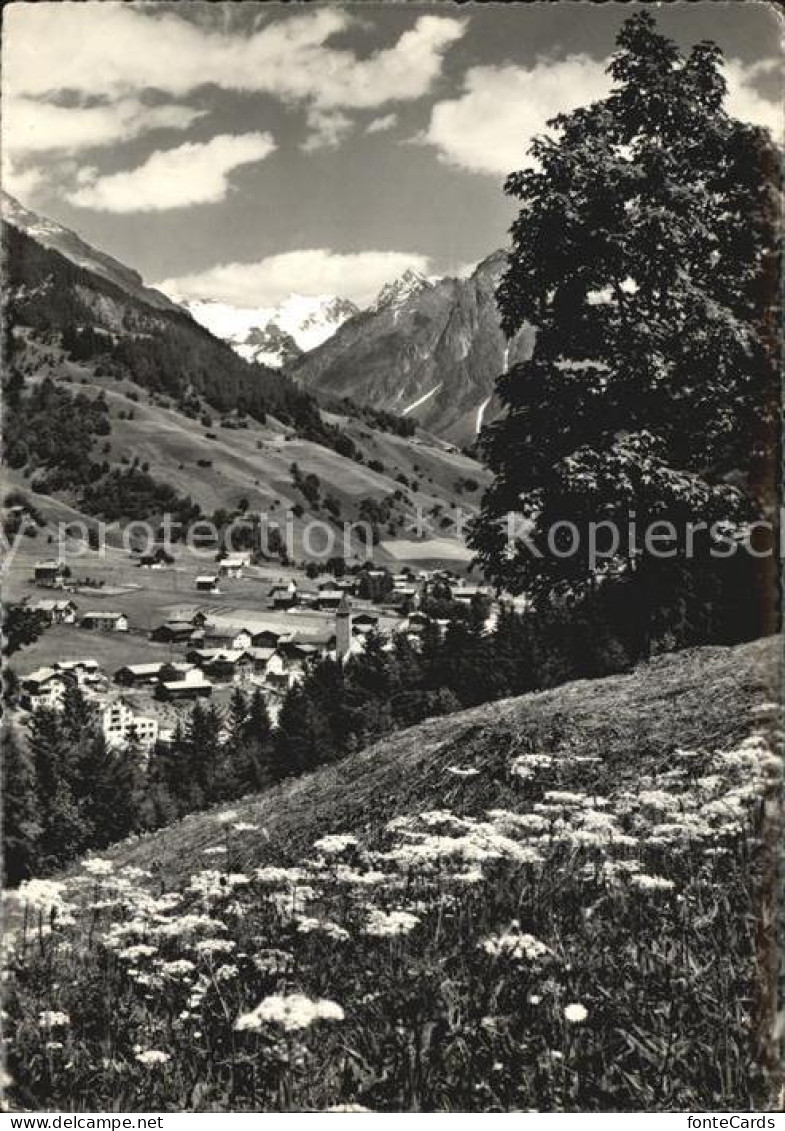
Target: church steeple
343	628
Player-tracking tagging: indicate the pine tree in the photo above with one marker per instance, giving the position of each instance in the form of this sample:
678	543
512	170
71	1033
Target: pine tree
645	255
21	827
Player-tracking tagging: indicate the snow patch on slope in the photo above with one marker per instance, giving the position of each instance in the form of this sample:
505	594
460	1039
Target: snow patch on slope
421	400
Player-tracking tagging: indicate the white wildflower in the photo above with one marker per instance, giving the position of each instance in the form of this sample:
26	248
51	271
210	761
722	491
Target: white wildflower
152	1056
291	1011
53	1019
98	867
575	1013
513	944
383	924
335	844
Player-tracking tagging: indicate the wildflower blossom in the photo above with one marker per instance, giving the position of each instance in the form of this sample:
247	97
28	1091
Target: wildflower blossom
575	1013
98	867
139	950
152	1056
645	882
178	968
513	944
383	924
214	946
53	1019
335	844
323	926
291	1011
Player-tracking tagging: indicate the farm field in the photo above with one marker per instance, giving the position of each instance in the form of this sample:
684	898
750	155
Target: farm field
565	901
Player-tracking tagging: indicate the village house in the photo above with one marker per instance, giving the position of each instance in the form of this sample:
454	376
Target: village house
233	565
264	660
363	623
146	675
220	634
120	724
175	632
207	584
267	638
193	685
87	673
155	559
229	665
51	574
45	687
57	612
329	599
282	597
106	621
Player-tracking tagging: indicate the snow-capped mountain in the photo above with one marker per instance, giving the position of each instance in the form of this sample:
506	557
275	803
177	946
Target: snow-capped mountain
401	291
430	349
273	336
55	237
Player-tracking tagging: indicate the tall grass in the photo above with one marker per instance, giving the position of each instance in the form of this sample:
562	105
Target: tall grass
596	945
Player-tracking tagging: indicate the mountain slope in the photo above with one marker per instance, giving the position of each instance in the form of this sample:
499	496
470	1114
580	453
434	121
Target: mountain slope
708	698
430	350
182	405
55	237
564	902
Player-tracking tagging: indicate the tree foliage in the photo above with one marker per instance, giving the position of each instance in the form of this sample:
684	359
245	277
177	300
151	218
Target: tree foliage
645	256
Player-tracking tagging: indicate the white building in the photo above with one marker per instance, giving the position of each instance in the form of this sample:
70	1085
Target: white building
119	722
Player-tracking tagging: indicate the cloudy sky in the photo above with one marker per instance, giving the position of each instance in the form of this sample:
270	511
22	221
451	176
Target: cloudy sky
243	151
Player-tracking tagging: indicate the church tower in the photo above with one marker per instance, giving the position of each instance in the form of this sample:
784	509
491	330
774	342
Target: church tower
343	629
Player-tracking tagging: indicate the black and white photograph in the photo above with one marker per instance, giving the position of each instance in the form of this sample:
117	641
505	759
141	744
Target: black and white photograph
391	548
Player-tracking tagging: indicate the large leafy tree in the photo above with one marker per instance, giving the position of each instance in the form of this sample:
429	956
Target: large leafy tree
645	255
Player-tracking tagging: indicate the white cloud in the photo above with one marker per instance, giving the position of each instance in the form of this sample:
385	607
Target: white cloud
33	126
490	126
23	183
746	102
314	271
193	173
379	125
114	49
327	128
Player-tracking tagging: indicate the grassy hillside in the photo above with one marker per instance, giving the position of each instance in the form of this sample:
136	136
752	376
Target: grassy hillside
254	463
560	902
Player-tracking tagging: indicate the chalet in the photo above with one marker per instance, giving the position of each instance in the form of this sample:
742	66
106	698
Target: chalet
264	660
45	687
155	559
282	597
266	638
86	673
174	632
199	619
57	612
229	666
466	593
307	599
120	724
365	622
330	599
106	621
219	634
233	565
207	584
192	686
52	574
141	675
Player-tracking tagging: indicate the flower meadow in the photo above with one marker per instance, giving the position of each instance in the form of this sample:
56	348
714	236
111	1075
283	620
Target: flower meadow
591	946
